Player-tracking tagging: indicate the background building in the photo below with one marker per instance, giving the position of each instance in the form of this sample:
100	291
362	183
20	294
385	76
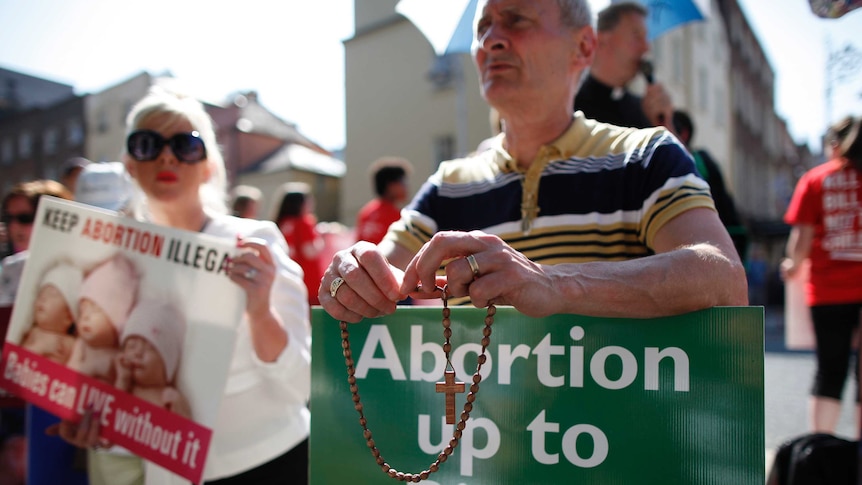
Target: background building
43	123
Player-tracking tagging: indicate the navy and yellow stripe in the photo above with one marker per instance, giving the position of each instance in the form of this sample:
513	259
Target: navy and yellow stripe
603	193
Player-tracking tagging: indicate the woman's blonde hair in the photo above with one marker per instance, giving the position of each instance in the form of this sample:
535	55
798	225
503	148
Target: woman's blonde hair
175	107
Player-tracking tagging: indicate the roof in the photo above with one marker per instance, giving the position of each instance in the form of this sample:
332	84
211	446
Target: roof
298	157
256	119
23	91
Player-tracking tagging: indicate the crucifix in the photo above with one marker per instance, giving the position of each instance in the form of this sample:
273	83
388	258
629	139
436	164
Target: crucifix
450	387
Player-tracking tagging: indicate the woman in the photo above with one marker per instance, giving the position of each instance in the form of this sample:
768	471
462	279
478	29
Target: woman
294	216
827	229
18	215
261	433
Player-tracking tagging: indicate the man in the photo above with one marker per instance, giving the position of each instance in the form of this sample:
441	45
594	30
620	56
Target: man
709	170
389	175
622	44
245	201
565	214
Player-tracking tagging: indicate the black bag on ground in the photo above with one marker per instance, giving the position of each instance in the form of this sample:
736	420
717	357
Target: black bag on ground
815	459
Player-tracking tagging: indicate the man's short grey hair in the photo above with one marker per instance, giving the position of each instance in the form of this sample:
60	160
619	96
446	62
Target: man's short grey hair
575	13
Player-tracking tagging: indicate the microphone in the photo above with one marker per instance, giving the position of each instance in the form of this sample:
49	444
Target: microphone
646	68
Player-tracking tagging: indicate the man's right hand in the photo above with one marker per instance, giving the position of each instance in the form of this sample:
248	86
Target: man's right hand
371	287
657	106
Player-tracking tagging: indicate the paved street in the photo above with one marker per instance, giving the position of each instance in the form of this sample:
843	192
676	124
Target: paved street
788	376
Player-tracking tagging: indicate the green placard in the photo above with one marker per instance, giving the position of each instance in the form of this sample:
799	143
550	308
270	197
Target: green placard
564	399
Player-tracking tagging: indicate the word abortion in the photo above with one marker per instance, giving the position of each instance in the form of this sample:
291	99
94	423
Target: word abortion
506	356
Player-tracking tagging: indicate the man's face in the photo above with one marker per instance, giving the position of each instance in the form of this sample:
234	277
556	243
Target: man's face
397	190
626	44
523	52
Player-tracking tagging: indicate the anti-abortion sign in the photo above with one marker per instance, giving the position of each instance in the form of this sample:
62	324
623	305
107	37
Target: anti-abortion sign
127	320
562	399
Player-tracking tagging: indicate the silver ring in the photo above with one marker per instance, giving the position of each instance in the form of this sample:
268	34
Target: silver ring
250	274
473	265
335	285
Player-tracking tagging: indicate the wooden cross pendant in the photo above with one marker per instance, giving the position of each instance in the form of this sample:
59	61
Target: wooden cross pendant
450	387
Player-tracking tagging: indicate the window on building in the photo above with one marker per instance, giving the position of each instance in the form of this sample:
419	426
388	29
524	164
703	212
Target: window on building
703	88
49	141
25	144
444	148
720	106
7	151
676	49
127	107
443	71
102	124
74	132
51	172
658	50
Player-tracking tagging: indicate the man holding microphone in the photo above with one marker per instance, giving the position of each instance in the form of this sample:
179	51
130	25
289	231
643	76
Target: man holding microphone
619	58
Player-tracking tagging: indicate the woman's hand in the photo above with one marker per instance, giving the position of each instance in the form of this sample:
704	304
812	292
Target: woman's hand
253	269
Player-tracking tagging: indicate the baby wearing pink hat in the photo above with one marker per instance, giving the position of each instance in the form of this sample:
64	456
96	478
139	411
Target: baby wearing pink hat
107	296
152	343
52	334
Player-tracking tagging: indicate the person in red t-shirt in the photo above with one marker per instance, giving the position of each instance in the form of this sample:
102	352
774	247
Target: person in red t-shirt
826	215
390	184
294	215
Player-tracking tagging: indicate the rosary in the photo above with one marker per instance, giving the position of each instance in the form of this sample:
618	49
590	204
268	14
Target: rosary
449	386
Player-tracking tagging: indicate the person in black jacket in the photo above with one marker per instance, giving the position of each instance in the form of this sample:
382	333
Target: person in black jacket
619	58
709	170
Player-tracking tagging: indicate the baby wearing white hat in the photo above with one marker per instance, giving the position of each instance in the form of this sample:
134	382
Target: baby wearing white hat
152	344
107	295
54	312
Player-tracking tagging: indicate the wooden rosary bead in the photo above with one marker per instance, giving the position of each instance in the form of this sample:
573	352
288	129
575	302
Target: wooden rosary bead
448	388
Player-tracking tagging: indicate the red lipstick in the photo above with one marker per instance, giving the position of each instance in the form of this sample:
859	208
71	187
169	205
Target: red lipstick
166	176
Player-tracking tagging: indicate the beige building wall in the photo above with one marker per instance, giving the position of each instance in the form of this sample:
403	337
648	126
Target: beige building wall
693	62
105	115
393	108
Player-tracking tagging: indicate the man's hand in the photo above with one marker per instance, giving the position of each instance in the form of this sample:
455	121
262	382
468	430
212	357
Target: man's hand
505	276
657	106
371	286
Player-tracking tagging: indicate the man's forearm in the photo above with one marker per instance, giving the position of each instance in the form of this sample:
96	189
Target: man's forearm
671	283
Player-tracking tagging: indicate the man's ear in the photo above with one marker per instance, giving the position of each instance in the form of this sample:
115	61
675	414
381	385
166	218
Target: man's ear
585	42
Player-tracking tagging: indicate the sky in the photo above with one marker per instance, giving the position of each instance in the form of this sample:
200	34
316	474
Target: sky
291	52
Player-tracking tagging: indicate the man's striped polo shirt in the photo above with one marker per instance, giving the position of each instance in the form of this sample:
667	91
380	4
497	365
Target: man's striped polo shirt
598	192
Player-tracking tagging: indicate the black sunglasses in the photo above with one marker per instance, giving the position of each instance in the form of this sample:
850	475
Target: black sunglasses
19	218
146	145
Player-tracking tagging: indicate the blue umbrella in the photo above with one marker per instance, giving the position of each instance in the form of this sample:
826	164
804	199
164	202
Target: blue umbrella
665	15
